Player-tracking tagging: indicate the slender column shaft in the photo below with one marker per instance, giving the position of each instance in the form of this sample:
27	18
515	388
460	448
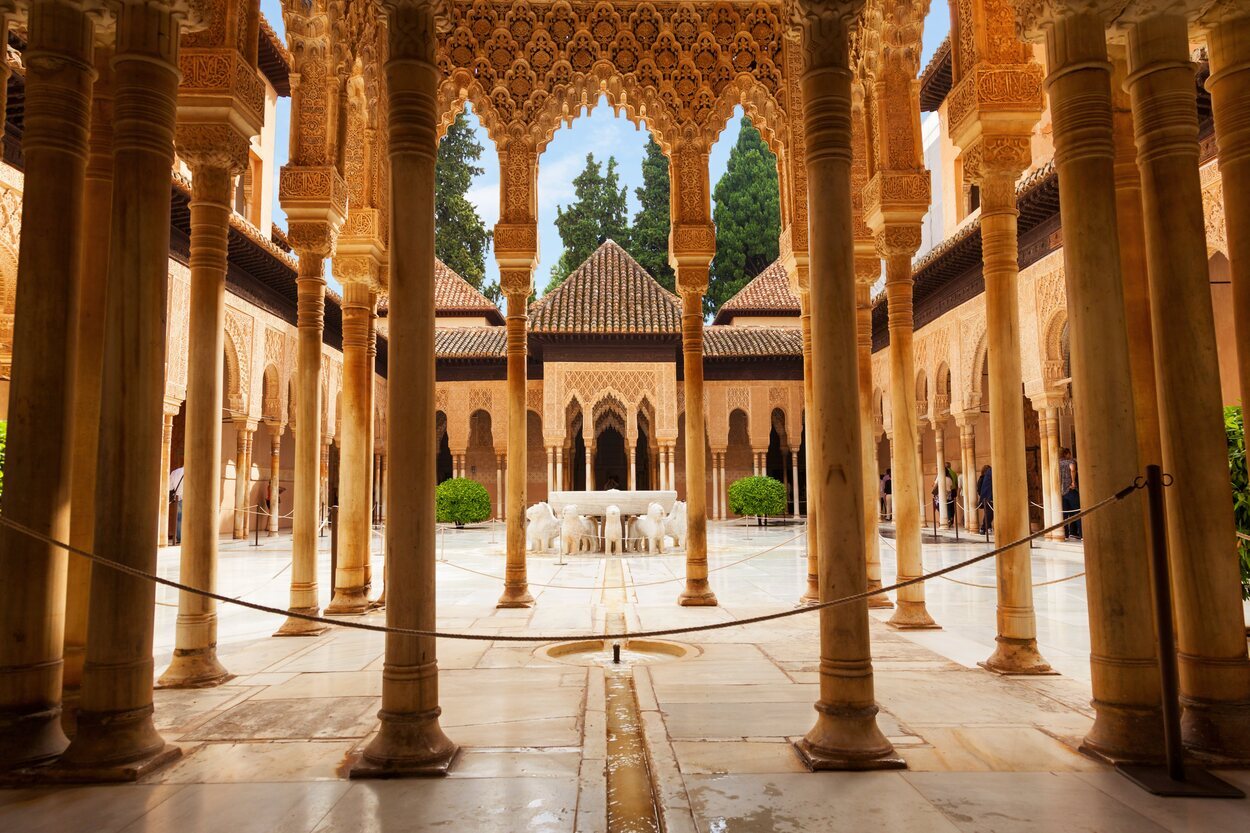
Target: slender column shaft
812	592
38	460
1050	460
499	484
1229	47
590	466
115	728
275	478
410	740
672	467
939	453
967	446
631	465
911	611
350	584
312	457
559	467
794	479
88	353
697	592
1016	650
551	467
162	524
516	584
242	510
845	735
1214	672
195	661
863	354
1122	655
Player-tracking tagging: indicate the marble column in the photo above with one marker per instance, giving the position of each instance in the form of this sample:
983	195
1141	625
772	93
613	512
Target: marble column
1050	465
275	478
939	454
350	585
382	493
312	454
968	458
692	279
672	467
551	467
88	353
1214	671
518	285
195	662
500	468
38	460
172	407
794	480
590	464
897	244
242	480
1228	43
811	594
116	738
846	735
410	740
1128	724
631	463
559	467
866	273
1131	234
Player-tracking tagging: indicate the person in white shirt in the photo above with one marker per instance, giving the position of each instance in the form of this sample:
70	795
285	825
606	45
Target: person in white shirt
175	494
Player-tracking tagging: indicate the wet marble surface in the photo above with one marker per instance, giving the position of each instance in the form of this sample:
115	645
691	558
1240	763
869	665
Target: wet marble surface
267	751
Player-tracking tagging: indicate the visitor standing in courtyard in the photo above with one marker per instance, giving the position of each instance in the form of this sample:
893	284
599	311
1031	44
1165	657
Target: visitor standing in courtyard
1069	492
887	496
175	497
985	499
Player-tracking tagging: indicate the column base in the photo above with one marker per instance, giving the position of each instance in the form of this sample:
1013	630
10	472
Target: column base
115	746
302	627
31	739
406	746
912	616
1124	735
1218	732
811	597
697	594
846	739
1017	657
349	601
517	596
194	668
880	600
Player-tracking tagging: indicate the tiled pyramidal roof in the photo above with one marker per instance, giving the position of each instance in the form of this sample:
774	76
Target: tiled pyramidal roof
768	293
470	342
609	294
453	293
723	342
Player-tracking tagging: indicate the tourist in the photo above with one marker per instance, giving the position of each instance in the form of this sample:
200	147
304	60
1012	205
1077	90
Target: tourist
945	471
952	491
985	499
887	496
1069	494
175	497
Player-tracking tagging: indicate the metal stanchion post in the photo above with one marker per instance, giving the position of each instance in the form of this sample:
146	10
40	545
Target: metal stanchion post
1173	779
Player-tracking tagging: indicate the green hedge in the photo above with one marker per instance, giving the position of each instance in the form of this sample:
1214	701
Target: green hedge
462	501
1235	427
759	496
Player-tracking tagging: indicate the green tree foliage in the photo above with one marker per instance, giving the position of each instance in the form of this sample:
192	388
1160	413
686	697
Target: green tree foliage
758	496
460	236
648	239
747	217
462	501
597	213
1234	427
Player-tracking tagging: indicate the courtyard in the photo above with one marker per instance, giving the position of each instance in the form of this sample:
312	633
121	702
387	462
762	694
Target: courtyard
269	750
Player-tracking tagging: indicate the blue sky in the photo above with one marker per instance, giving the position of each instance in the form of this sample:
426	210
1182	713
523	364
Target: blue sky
601	132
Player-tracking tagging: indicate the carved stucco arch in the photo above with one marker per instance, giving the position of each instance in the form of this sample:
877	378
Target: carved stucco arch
232	392
271	395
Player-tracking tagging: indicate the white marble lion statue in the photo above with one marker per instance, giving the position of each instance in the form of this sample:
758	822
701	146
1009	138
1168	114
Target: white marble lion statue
675	524
542	527
577	532
612	531
648	530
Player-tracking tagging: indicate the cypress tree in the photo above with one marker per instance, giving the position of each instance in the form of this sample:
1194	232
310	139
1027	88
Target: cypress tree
648	239
460	236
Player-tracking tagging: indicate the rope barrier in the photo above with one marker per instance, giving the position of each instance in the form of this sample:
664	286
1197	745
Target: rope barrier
135	572
995	586
632	584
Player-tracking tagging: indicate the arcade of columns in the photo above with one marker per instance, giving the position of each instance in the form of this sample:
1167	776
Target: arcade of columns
184	73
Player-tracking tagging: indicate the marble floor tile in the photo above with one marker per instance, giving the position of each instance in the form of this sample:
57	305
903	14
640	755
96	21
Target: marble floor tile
518	763
735	757
98	809
318	718
994	749
1177	815
557	731
807	802
480	805
241	763
324	684
1025	802
242	808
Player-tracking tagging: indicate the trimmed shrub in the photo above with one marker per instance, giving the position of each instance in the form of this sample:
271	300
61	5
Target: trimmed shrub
462	501
1234	427
758	496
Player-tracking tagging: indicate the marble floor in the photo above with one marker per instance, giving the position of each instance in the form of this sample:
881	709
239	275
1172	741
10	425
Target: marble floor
267	751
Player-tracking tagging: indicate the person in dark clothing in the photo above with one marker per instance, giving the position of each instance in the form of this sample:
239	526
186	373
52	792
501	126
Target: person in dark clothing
985	499
887	496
